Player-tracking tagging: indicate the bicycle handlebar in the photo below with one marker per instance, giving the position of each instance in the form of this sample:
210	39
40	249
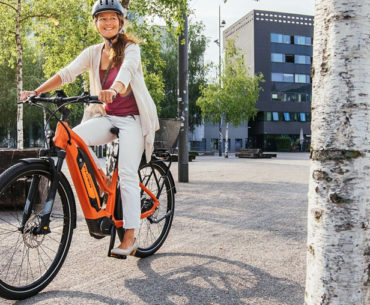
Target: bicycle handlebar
85	98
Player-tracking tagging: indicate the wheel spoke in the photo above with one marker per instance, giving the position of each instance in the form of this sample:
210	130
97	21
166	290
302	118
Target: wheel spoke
151	235
27	259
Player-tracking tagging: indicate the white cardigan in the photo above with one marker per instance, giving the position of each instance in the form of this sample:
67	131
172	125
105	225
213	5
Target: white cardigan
131	72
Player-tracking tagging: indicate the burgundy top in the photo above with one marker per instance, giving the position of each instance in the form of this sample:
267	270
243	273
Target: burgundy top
122	105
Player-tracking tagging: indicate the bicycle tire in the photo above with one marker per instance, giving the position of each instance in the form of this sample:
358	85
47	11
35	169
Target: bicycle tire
31	261
151	236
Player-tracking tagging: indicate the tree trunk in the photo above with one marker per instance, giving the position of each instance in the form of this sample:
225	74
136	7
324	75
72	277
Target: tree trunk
227	140
20	144
220	137
9	137
338	253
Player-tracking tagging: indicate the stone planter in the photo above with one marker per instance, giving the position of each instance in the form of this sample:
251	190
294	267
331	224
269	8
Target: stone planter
15	197
10	156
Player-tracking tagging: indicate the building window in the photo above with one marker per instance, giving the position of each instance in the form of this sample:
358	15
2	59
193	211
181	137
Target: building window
267	116
302	117
289	58
297	39
303	97
214	144
302	78
290	78
302	59
290	97
280	38
282	77
238	144
294	117
286	116
302	40
275	97
277	57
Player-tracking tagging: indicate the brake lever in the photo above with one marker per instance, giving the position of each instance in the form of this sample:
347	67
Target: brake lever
28	100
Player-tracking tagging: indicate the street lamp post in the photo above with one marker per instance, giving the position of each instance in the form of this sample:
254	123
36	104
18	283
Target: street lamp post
221	24
183	100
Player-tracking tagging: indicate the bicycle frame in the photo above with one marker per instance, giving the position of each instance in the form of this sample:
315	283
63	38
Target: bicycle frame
66	139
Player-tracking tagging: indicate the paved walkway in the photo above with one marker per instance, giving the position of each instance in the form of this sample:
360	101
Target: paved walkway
238	237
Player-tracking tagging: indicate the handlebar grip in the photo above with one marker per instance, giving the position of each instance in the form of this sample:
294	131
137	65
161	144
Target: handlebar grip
94	98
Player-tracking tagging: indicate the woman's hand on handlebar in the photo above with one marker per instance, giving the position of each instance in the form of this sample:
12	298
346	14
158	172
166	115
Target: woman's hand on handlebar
107	96
26	94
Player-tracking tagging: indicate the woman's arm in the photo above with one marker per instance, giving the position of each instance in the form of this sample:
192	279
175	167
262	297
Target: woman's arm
64	76
128	68
52	83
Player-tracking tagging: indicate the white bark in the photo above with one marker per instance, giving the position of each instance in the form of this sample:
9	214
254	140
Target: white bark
338	256
227	140
9	138
20	144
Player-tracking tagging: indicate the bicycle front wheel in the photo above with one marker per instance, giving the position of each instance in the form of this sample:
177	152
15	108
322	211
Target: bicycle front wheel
30	260
153	230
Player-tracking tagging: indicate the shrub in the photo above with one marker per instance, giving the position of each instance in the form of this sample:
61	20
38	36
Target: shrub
283	143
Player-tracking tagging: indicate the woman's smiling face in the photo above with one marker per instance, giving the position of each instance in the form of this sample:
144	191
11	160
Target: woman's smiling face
108	24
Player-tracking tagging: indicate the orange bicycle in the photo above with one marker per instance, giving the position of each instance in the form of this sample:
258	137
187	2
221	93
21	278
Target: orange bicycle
38	210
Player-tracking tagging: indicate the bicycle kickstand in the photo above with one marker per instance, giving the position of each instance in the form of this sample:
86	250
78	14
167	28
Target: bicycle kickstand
111	244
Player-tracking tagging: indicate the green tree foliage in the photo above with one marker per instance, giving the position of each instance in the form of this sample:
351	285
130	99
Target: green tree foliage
197	71
61	29
236	98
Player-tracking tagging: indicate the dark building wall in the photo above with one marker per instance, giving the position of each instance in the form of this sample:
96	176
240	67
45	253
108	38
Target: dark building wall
266	23
289	102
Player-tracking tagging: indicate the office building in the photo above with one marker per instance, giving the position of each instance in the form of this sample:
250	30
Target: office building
279	45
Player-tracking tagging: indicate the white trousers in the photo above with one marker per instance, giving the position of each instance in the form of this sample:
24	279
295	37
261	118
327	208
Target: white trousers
131	146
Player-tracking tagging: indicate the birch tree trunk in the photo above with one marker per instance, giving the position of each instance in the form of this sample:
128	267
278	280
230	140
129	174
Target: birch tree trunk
9	138
338	256
227	140
19	76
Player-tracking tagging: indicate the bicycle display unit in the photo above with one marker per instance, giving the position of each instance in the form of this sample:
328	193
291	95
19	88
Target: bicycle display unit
38	209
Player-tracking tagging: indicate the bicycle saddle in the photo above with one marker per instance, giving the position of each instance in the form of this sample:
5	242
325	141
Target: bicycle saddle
115	131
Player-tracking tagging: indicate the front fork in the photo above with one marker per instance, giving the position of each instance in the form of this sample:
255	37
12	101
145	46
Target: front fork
43	228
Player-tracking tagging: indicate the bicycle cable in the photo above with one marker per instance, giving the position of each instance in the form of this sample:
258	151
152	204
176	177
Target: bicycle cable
70	100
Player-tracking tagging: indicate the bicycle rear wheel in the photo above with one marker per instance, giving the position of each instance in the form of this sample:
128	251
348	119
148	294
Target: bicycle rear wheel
153	230
29	261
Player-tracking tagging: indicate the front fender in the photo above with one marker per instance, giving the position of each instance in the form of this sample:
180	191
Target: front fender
50	162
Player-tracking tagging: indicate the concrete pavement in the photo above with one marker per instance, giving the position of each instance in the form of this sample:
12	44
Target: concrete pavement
238	237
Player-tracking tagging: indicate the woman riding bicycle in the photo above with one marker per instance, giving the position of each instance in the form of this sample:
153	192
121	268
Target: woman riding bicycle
116	76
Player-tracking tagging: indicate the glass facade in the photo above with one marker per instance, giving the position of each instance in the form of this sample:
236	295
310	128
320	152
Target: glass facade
280	38
291	97
303	40
302	59
302	78
290	58
274	116
277	57
291	39
290	78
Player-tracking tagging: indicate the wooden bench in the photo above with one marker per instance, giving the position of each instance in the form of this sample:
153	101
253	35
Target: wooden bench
253	153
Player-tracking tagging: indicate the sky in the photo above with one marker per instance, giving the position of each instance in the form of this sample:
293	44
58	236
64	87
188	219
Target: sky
207	11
